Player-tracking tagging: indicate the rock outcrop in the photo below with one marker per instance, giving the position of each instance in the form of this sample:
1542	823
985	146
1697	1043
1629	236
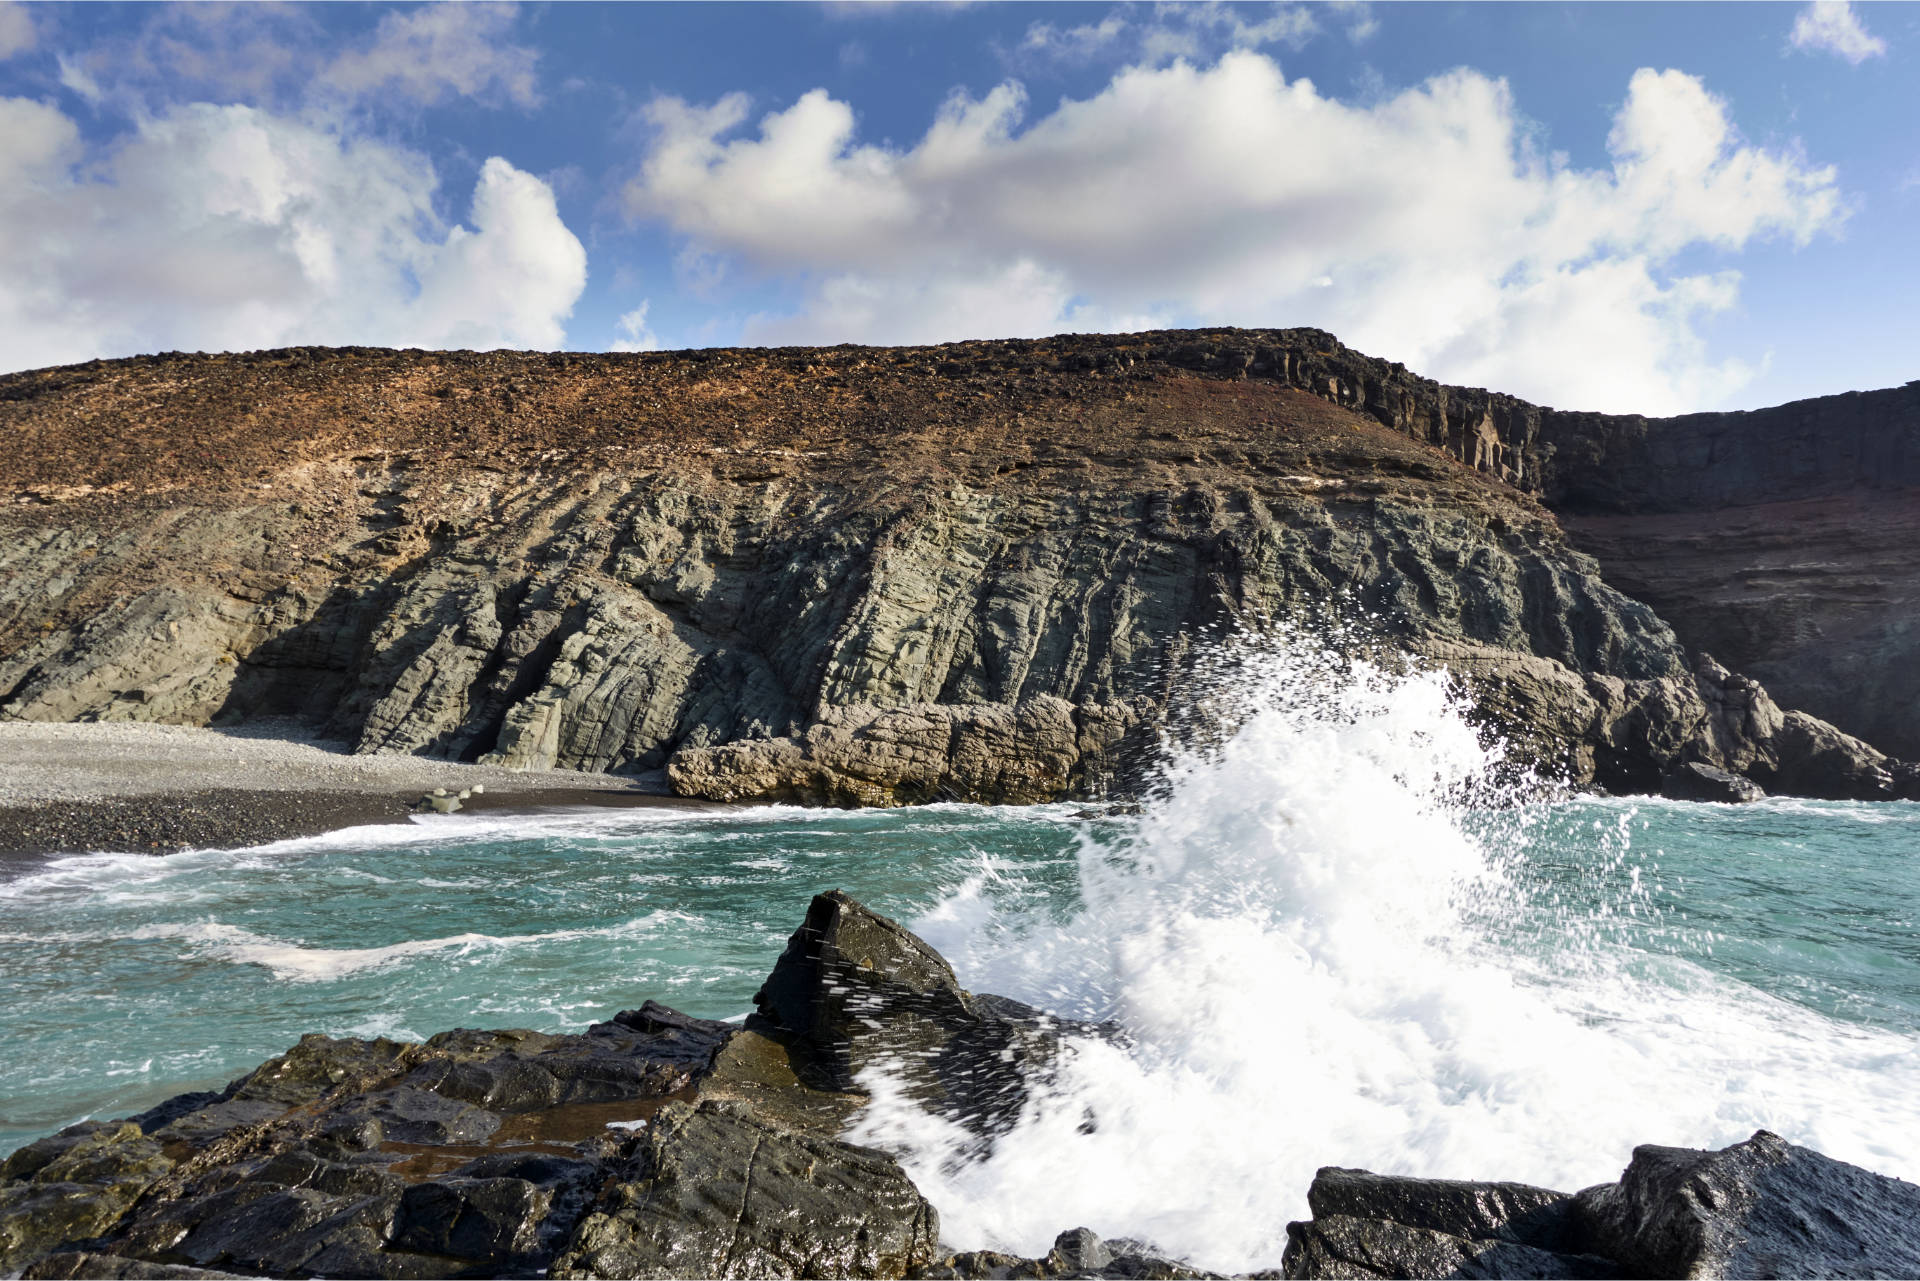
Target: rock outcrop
660	1145
1763	1208
849	576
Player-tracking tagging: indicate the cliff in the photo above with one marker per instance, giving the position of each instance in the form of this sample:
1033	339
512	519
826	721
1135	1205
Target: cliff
848	575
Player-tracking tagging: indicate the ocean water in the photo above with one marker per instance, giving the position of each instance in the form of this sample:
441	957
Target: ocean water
1332	937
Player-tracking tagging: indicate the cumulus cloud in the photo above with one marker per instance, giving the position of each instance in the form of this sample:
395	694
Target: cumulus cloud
17	34
1831	26
227	227
1423	226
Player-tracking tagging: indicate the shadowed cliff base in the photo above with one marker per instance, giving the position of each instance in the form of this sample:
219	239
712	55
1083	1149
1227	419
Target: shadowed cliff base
859	575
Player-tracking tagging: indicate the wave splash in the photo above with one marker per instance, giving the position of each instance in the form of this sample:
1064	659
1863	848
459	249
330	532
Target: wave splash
1323	957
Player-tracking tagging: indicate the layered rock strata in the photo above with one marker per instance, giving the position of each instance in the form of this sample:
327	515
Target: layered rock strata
660	1145
849	576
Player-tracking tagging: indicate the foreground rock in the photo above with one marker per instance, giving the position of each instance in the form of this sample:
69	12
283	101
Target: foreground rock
867	576
1763	1208
652	1145
660	1145
475	1154
855	991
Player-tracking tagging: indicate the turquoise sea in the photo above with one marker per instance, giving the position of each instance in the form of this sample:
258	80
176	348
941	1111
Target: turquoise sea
1329	944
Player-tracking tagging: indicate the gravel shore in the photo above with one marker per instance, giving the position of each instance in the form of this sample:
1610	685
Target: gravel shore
67	788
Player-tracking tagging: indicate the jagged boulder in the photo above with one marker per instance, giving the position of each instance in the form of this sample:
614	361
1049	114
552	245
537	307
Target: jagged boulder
1762	1208
1370	1225
855	991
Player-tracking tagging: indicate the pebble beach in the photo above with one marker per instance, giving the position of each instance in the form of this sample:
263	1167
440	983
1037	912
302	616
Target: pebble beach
74	788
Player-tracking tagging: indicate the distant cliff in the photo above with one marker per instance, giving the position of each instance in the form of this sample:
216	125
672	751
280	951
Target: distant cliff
848	575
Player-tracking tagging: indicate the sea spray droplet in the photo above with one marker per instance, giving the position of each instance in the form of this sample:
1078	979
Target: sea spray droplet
1325	956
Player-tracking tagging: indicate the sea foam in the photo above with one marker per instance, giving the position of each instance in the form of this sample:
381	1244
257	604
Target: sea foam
1324	955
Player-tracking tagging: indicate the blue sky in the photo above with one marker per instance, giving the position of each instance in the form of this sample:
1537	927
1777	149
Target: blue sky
1633	207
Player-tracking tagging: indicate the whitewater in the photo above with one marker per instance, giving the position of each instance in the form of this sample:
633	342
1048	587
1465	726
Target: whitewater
1339	930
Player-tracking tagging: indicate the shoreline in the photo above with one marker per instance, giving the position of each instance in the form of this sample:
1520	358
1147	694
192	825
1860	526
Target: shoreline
69	788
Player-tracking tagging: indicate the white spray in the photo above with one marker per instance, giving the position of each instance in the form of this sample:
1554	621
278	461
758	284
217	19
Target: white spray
1304	943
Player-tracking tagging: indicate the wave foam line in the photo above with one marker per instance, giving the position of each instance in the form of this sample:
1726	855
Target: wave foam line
296	963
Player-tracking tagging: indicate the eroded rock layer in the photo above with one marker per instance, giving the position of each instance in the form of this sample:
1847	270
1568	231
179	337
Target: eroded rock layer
850	576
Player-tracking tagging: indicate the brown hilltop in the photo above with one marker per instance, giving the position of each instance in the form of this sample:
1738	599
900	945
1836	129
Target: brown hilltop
848	574
158	423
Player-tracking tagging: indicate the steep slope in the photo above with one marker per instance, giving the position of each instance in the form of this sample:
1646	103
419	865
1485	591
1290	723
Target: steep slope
847	575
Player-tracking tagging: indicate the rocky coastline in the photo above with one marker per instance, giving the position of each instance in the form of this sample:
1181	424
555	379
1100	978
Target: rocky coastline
982	571
660	1145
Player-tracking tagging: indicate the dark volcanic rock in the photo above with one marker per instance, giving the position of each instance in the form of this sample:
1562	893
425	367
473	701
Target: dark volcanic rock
712	1191
476	1152
73	1186
1696	782
854	990
1340	1246
1763	1208
1371	1225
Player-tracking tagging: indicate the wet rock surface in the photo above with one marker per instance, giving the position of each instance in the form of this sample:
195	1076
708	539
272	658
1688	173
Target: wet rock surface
471	1154
856	992
857	576
1762	1208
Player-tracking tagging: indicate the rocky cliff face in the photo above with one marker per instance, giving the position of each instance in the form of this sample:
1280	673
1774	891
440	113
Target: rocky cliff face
844	576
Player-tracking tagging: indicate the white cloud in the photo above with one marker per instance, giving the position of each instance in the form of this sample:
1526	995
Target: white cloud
634	334
226	228
513	279
1833	26
17	34
1423	226
438	51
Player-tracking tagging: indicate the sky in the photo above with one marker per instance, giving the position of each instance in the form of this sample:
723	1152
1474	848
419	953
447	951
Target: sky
1648	208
